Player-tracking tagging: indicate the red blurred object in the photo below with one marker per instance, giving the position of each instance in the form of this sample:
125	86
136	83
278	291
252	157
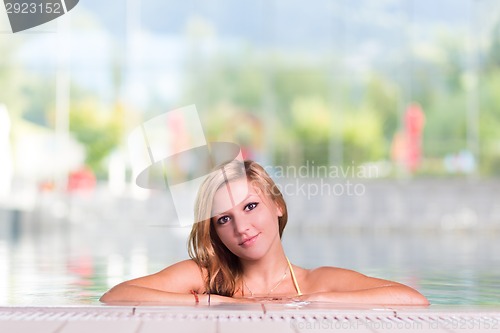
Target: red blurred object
414	125
81	180
247	153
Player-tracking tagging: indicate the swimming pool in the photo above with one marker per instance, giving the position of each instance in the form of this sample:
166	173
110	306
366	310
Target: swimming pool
438	237
68	264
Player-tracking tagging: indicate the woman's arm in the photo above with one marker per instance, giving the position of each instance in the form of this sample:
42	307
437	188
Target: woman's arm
389	295
128	293
171	285
346	286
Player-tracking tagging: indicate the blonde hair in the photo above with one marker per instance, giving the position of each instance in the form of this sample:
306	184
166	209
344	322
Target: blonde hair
223	269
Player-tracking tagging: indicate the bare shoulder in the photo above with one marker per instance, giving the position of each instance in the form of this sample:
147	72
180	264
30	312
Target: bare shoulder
185	266
179	277
328	278
330	273
186	270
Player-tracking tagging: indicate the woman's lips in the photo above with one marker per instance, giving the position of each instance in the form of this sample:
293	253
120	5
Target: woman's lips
249	241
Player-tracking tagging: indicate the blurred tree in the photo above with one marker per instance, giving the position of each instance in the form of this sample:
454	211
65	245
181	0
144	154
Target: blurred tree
311	118
489	100
98	130
311	127
304	101
490	122
493	55
437	85
236	79
363	137
382	97
303	107
445	128
292	82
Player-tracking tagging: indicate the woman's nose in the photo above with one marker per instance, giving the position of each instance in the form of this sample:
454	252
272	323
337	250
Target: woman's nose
241	224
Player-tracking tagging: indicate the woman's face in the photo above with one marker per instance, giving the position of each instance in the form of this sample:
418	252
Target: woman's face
249	229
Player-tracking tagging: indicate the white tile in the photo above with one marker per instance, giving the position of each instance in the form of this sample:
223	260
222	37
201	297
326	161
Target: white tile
87	326
255	326
173	326
17	326
324	325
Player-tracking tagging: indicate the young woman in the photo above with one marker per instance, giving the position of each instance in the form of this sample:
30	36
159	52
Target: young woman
237	255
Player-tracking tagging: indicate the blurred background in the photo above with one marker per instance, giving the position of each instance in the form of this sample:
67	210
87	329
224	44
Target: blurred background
379	119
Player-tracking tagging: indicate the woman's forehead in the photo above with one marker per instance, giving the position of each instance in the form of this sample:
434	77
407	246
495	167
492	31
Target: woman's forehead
232	193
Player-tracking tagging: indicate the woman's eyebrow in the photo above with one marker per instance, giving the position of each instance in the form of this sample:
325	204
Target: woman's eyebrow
246	198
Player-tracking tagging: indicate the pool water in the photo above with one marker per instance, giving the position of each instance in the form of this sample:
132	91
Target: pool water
65	263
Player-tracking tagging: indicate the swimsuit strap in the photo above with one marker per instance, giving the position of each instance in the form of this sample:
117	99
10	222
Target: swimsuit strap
294	279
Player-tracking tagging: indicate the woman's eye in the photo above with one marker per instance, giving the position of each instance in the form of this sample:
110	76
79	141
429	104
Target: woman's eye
251	206
223	220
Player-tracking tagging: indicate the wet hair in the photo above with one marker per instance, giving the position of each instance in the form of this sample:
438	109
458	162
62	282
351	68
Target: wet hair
222	269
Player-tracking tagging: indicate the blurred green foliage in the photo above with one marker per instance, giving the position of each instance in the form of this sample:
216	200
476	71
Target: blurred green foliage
308	109
99	130
310	112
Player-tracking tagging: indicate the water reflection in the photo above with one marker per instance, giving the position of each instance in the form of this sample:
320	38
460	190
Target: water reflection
60	262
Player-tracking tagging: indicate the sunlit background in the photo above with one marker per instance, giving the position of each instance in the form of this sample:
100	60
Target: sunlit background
379	120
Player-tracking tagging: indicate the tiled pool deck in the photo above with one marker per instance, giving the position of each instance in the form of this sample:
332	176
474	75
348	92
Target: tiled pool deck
267	317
